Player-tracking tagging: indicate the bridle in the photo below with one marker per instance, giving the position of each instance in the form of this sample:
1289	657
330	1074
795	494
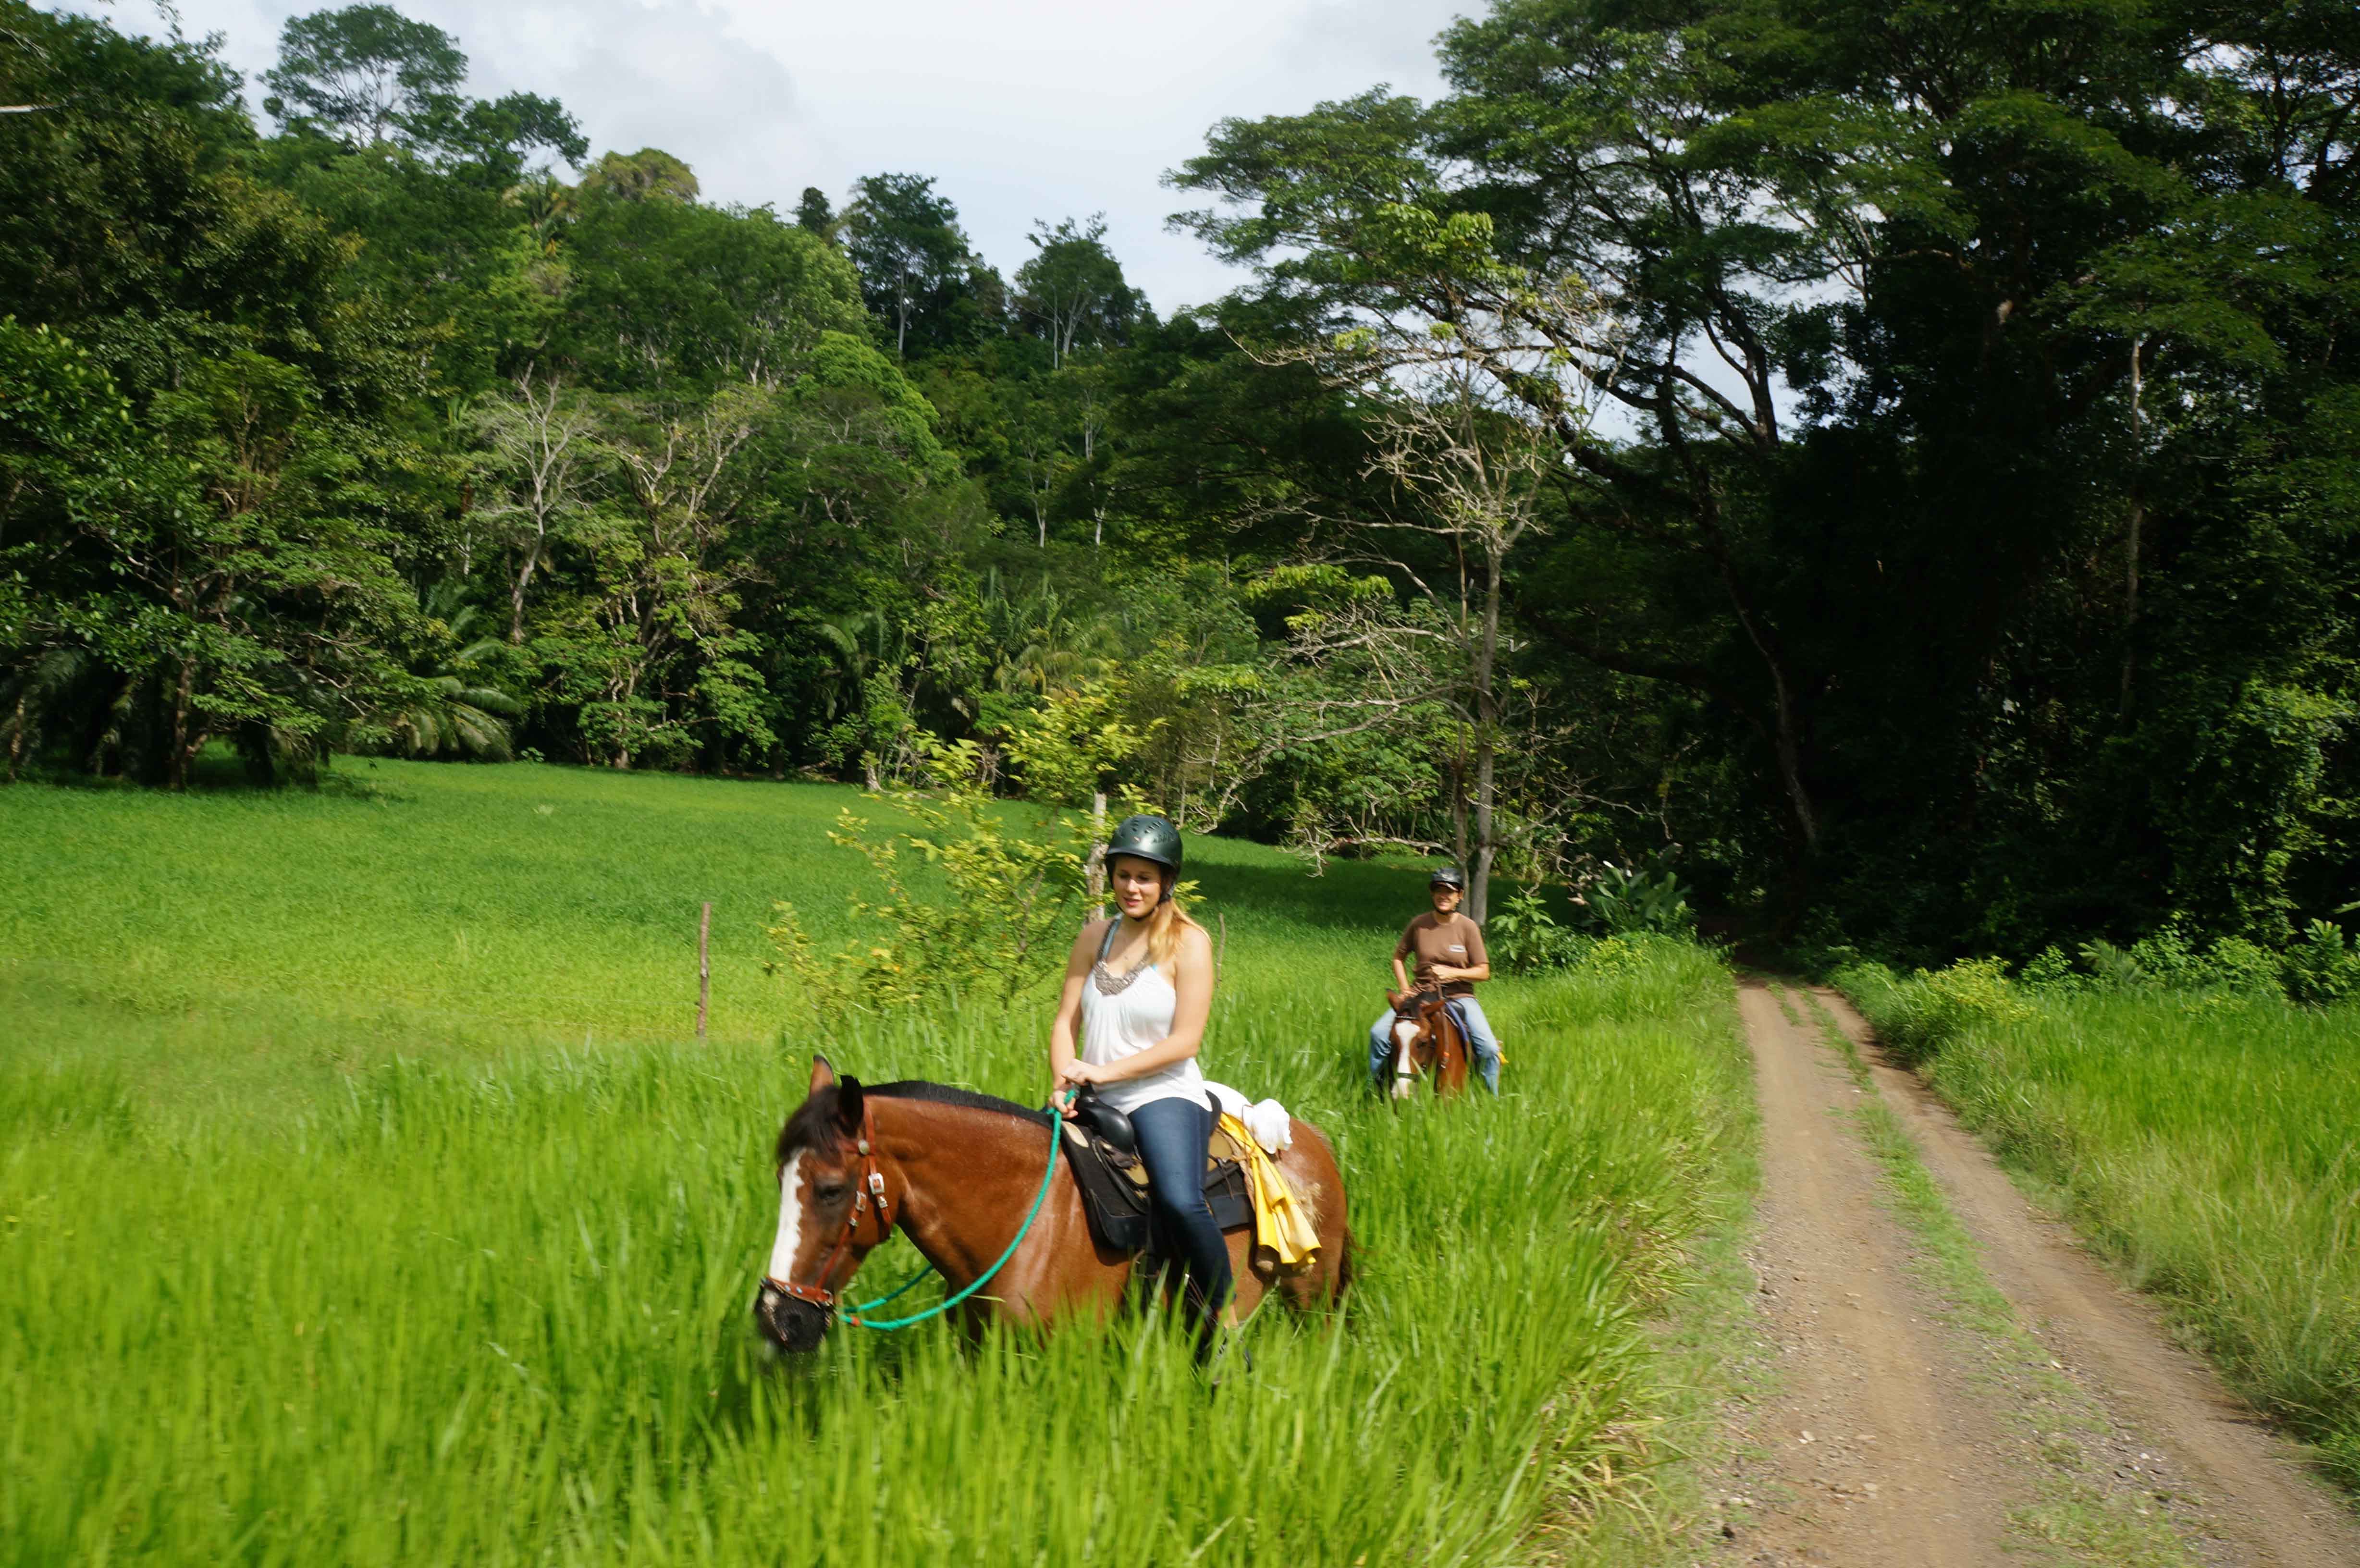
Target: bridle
1427	1006
870	1186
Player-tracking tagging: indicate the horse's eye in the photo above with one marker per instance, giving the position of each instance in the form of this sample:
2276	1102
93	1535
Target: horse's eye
828	1191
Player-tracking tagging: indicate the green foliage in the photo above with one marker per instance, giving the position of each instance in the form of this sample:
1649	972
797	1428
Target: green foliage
2321	968
1524	937
1074	744
990	925
1625	899
2317	970
1932	1009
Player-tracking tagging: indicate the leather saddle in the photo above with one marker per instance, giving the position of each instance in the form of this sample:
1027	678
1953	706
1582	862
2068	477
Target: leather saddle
1104	1154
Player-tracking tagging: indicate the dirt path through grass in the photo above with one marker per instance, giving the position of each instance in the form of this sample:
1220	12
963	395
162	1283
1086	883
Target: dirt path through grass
1865	1452
1948	1379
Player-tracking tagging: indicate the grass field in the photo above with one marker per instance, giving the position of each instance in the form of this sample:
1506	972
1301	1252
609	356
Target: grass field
361	1200
2209	1143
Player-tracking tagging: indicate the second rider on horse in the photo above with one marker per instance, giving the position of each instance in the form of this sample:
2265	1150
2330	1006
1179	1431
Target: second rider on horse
1450	957
1139	987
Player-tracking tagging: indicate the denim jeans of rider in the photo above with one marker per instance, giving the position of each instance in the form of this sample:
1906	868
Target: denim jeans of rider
1479	1038
1173	1133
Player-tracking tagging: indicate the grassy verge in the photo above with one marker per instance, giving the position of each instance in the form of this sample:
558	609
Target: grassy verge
2205	1142
2085	1514
325	1236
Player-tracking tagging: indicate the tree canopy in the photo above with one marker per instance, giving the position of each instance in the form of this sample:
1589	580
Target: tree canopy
1893	469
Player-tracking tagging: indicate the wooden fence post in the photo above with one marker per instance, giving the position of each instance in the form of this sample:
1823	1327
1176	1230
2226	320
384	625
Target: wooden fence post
1095	871
704	967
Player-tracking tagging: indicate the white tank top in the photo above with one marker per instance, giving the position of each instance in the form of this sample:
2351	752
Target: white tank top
1127	1022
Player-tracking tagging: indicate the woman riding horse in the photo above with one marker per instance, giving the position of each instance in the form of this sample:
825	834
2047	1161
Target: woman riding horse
1450	956
1140	986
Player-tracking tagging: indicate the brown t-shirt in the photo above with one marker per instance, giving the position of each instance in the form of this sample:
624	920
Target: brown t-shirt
1450	939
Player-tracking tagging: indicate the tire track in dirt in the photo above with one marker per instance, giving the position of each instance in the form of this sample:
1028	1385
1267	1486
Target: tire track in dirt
1870	1449
2245	1487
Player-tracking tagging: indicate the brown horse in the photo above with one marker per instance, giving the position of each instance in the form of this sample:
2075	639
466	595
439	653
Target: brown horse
957	1172
1428	1040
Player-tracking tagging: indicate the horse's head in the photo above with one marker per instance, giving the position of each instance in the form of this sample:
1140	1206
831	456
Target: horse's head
831	1210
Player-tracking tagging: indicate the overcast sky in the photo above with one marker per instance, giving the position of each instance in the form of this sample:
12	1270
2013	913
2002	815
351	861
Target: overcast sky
1022	109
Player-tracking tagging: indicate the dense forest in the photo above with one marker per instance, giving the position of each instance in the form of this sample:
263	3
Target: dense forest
1897	468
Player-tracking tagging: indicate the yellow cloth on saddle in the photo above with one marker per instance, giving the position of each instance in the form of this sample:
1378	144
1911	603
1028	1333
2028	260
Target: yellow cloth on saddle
1280	1222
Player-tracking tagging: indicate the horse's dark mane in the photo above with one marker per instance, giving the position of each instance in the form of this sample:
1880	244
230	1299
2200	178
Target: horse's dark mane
814	1121
951	1095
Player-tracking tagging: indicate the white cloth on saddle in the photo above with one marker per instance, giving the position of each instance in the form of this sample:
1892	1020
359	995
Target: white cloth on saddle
1267	1120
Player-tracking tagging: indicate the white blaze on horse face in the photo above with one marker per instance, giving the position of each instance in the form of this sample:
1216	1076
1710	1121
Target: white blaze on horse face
791	1221
1404	1063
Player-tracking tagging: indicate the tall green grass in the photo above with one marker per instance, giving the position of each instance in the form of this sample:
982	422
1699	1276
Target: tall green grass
294	1269
2208	1142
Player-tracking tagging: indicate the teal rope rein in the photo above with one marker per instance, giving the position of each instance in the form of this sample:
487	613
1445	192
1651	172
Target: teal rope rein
853	1314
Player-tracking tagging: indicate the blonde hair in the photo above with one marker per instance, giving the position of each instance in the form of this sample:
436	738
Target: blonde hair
1164	926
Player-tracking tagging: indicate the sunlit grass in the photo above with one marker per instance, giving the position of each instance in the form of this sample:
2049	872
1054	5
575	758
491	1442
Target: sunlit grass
295	1271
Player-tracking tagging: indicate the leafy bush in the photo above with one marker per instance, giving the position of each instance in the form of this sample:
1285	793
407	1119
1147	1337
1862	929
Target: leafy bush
2165	960
1921	1015
2322	968
1007	908
1632	898
1523	936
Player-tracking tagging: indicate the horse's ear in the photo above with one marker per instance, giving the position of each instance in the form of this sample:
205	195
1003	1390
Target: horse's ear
821	1074
851	1106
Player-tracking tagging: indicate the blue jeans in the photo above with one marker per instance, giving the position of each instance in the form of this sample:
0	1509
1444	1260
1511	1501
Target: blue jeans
1470	1018
1173	1133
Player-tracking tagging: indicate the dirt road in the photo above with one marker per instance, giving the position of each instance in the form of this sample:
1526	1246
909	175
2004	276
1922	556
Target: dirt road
1899	1428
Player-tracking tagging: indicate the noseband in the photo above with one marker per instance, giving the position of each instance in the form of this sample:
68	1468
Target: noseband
867	1192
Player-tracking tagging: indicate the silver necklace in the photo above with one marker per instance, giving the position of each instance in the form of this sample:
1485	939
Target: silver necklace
1109	983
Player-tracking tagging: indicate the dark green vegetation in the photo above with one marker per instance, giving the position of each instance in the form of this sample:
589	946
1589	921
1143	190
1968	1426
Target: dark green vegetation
1900	462
2202	1136
321	1239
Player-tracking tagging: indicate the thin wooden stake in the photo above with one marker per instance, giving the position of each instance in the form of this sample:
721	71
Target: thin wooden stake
1221	950
704	967
1094	873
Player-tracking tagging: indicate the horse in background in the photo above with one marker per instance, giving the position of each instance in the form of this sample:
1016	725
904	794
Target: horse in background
1427	1040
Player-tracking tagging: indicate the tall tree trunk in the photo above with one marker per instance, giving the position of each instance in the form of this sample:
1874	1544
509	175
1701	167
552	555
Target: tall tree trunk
176	775
516	598
2137	526
1487	742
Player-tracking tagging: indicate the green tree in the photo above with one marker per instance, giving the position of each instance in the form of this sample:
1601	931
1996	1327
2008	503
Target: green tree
906	243
1072	287
362	74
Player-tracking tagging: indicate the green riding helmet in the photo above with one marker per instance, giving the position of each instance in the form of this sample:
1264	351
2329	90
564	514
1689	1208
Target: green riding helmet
1151	838
1447	877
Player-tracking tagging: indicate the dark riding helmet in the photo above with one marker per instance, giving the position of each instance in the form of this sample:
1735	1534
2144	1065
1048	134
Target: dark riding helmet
1147	837
1447	877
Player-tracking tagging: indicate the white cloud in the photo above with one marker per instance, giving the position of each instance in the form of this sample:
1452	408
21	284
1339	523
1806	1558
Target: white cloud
1021	110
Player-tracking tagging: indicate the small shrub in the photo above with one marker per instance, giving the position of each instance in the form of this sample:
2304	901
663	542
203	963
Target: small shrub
1008	908
1631	899
2049	970
2112	969
2235	965
2321	968
1921	1015
1523	936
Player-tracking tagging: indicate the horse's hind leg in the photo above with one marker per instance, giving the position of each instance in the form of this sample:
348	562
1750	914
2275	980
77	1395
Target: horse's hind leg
1310	1163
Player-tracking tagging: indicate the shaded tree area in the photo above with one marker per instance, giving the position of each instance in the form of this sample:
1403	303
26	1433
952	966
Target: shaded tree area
1896	468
